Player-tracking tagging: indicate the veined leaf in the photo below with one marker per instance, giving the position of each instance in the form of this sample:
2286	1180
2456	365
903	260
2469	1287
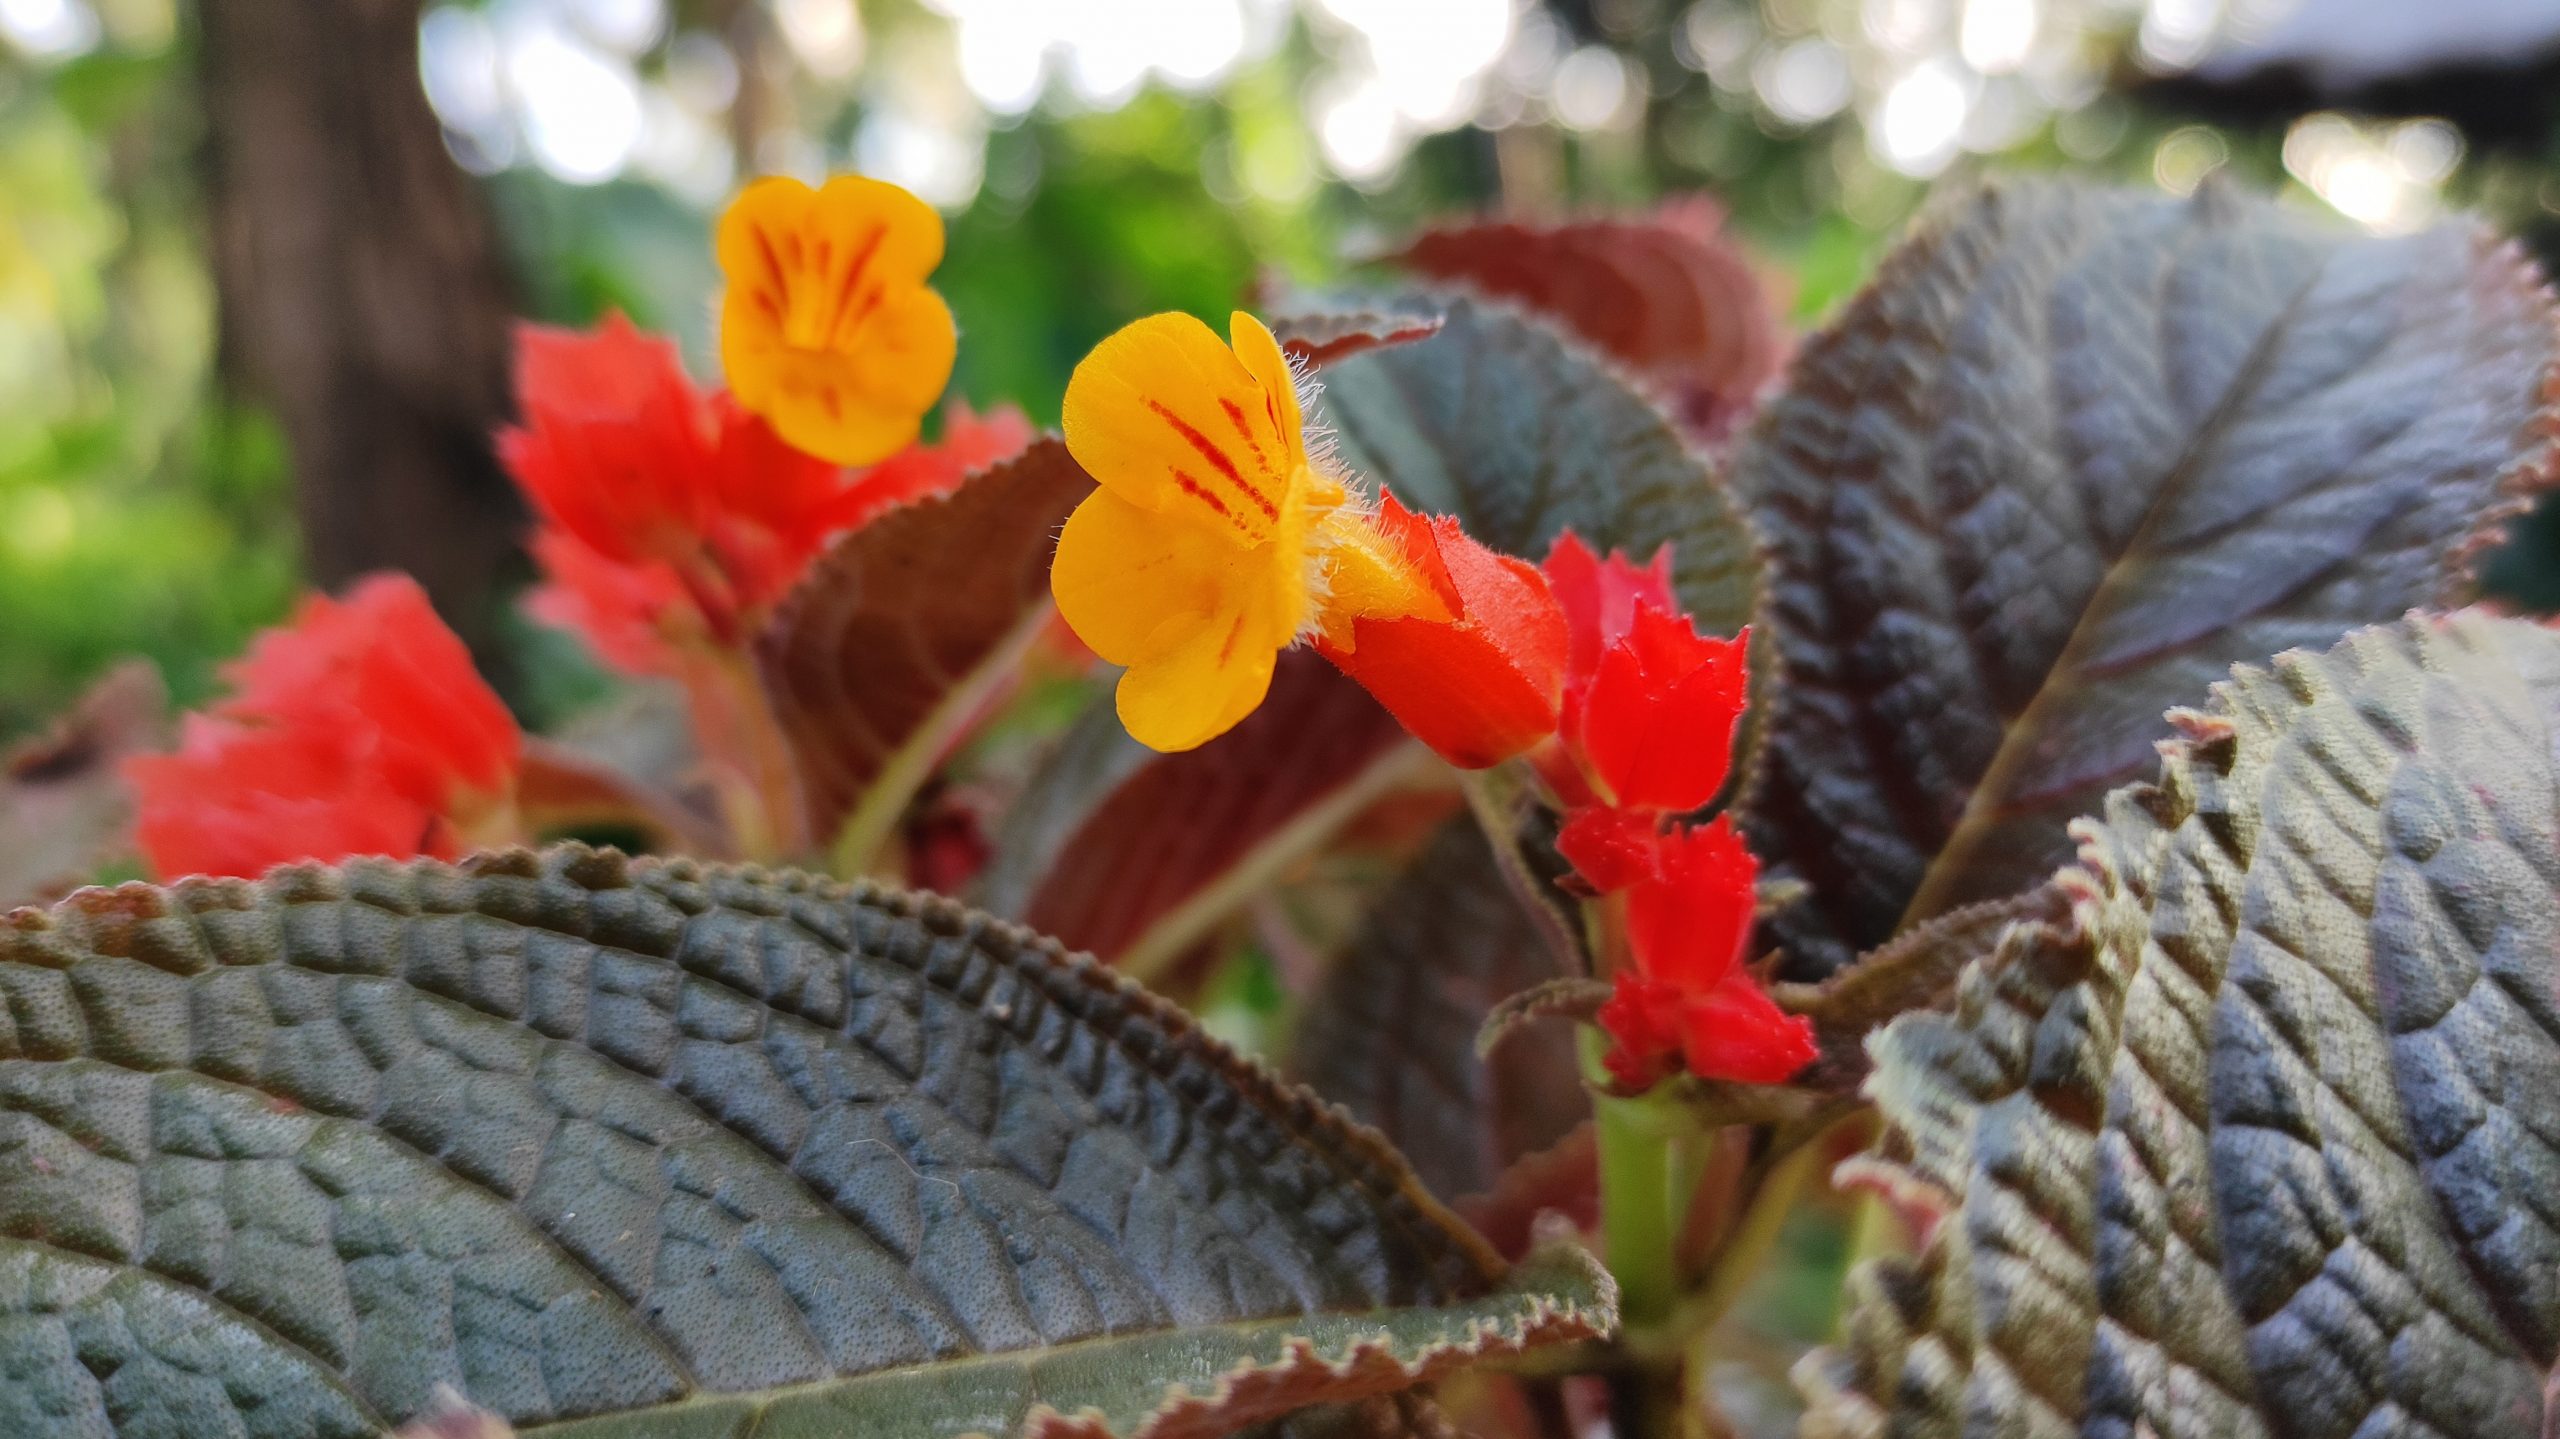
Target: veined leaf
902	632
2262	1136
1668	296
622	1148
1136	855
1391	1033
1521	433
2073	454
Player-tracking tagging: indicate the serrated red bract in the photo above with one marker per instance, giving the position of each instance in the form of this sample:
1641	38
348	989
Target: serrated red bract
1686	1001
670	516
1486	682
1611	848
1600	596
360	727
1655	724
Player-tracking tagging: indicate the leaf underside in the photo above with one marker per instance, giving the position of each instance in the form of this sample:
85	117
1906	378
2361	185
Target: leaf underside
1319	337
888	644
626	1147
1391	1033
1669	296
2070	456
2262	1137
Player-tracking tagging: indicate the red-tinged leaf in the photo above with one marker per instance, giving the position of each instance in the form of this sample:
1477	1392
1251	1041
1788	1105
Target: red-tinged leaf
1320	337
1152	862
1561	1179
561	791
63	809
2073	454
1670	296
1391	1034
904	631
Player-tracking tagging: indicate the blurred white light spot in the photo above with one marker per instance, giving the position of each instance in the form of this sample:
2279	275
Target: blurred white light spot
1360	132
942	166
627	26
1921	119
49	29
458	64
1903	27
2426	150
1591	89
1803	82
1428	58
1106	49
701	73
580	109
2176	33
2363	175
1003	55
825	34
681	151
1998	35
1717	38
2186	156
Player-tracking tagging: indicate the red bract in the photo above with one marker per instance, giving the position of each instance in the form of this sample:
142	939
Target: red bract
1651	704
358	728
1481	684
671	513
1611	848
1687	1001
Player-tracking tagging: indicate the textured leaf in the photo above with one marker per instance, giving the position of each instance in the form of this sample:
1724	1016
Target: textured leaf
1521	433
2073	454
1391	1033
64	808
902	631
1669	297
638	1148
1152	861
1320	337
2262	1137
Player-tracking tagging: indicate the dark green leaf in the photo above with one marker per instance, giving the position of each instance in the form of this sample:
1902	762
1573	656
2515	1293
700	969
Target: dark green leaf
636	1148
2072	455
1391	1034
1521	434
2262	1135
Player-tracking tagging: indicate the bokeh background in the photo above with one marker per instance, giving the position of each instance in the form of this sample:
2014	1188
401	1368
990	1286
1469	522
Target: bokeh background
259	258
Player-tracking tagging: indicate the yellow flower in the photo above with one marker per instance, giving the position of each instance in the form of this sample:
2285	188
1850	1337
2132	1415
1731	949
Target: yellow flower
827	330
1214	541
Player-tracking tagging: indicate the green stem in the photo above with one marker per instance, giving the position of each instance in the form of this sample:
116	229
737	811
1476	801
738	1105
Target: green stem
1639	1207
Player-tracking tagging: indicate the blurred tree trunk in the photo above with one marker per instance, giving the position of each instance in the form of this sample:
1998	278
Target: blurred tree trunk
362	297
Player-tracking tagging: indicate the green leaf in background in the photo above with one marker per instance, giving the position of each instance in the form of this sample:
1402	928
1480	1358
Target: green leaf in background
2073	454
904	632
2262	1136
623	1148
1521	434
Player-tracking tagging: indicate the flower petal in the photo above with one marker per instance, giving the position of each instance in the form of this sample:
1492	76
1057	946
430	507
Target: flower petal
1131	582
1165	415
1202	685
827	329
1689	926
1655	723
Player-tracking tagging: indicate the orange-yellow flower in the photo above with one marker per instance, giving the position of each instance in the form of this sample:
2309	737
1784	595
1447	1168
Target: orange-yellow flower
828	330
1215	540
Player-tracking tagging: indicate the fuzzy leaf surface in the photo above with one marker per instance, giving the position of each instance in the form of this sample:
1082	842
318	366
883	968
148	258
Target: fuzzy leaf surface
2070	456
2262	1136
622	1148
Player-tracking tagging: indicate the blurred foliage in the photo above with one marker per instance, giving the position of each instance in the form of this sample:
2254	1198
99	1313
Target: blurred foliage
137	514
